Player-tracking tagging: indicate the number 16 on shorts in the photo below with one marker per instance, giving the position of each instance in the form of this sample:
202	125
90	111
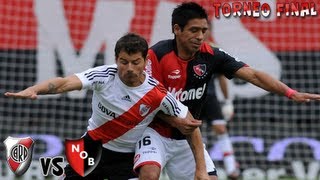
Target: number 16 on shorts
144	142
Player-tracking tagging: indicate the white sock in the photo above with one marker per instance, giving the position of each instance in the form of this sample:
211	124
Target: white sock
228	156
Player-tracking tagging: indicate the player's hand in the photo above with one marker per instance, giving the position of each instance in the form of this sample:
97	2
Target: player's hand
227	110
304	97
201	175
188	124
25	94
186	127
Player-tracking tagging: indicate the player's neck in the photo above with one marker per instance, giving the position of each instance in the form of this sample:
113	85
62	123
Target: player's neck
184	53
136	83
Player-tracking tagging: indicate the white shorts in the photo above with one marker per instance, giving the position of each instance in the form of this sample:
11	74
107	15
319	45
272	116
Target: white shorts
173	156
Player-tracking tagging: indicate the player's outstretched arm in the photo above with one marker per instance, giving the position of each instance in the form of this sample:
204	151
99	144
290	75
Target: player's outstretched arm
190	126
52	86
268	83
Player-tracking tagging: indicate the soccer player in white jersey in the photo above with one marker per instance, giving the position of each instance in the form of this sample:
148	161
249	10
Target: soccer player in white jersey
125	101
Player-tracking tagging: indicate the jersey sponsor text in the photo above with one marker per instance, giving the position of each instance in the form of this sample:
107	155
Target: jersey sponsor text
190	94
106	111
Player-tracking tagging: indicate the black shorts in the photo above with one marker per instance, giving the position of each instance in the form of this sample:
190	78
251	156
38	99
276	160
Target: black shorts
211	110
112	166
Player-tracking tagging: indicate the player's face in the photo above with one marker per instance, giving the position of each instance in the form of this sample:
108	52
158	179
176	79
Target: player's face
130	68
192	35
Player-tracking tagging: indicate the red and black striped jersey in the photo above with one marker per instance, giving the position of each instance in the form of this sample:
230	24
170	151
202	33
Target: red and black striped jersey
187	79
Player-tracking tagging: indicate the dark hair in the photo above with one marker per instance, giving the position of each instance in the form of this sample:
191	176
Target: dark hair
131	43
185	12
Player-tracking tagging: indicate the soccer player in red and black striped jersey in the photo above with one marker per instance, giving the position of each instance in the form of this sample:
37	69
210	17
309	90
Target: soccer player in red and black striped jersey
185	65
125	101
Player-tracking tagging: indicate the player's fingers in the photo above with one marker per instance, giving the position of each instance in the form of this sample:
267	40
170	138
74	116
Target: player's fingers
16	95
34	96
9	94
20	95
186	131
308	97
316	97
190	128
311	96
197	120
195	123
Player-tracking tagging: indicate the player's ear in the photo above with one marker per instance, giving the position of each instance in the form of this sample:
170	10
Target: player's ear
116	59
145	61
176	29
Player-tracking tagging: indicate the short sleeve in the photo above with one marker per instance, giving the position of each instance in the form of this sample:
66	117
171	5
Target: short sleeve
173	107
227	64
96	77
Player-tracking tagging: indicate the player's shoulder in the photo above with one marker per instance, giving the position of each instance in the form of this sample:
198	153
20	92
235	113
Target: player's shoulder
151	80
162	48
105	68
209	48
212	49
101	71
156	84
163	45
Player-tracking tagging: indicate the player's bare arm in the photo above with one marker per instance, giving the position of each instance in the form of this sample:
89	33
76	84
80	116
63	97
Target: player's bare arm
190	127
273	85
196	145
52	86
185	125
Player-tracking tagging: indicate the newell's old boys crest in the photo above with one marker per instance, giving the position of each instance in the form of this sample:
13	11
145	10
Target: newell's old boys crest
19	154
200	69
83	155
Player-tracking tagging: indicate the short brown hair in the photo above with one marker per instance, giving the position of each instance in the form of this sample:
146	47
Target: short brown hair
131	43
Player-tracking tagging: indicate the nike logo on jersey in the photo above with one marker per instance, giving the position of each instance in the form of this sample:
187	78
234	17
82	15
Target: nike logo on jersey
126	98
106	111
190	94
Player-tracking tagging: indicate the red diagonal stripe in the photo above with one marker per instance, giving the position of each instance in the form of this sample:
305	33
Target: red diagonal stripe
26	142
129	119
14	165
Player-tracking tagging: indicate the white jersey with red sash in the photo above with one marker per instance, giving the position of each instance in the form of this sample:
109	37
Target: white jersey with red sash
120	114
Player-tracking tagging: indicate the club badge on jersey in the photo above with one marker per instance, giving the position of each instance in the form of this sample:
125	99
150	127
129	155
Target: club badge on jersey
83	155
200	70
144	109
19	154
